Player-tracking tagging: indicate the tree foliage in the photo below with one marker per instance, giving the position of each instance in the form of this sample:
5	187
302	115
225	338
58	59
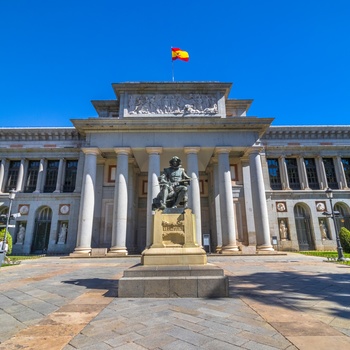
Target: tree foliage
8	239
344	236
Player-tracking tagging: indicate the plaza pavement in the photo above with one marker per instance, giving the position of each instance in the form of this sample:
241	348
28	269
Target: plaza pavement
276	302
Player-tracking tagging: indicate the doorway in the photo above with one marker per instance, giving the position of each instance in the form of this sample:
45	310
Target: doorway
42	231
303	227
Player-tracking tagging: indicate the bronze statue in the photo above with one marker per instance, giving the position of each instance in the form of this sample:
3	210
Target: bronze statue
173	186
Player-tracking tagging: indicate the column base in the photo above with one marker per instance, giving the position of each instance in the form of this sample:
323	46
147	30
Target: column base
81	252
117	251
229	249
265	248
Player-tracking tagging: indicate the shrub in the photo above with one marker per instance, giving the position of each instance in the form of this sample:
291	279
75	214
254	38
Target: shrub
344	236
8	239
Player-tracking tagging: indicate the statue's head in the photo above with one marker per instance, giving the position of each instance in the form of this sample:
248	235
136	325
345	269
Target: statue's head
175	161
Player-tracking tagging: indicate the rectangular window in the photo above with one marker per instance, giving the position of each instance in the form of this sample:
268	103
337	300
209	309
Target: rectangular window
311	173
330	173
292	172
70	175
32	176
51	176
12	175
346	166
274	174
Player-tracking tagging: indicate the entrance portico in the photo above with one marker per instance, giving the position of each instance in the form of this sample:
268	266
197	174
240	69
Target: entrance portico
133	140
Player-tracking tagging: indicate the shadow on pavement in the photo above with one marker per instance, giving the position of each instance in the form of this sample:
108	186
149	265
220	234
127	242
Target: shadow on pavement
97	283
298	290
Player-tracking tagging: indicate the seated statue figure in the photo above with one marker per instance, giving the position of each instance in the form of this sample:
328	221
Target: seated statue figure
173	184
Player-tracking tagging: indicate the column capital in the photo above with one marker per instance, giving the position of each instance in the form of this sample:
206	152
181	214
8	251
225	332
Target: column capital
91	150
189	150
122	150
154	150
225	149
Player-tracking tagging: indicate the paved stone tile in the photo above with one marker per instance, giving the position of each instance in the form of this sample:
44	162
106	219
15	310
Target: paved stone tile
320	342
277	302
179	344
188	336
219	345
124	339
152	341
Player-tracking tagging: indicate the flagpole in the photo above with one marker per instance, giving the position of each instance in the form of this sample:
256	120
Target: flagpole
172	63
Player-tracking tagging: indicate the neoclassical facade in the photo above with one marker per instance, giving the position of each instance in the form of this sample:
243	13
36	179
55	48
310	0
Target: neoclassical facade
88	189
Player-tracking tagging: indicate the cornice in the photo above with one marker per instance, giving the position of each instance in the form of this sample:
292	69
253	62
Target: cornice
172	124
322	132
40	134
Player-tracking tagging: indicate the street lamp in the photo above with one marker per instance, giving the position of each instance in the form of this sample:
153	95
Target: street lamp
333	214
12	195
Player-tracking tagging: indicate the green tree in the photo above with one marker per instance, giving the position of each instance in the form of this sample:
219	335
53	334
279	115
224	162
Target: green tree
344	236
8	239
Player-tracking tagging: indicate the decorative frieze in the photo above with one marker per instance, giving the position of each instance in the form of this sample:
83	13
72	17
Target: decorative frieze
172	104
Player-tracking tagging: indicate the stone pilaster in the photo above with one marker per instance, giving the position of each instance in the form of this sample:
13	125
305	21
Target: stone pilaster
248	202
217	204
194	199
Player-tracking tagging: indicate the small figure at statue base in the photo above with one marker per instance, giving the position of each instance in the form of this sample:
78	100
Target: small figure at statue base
173	187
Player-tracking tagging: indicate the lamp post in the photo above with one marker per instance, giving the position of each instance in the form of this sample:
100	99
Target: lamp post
329	194
12	195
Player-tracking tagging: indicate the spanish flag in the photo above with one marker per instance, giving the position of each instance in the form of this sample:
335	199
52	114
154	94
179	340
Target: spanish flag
177	53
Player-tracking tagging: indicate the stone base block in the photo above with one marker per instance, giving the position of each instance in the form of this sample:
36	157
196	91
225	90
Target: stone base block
173	282
98	251
174	256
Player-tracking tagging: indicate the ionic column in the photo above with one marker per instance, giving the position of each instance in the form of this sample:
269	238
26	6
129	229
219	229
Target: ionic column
59	176
2	173
259	202
194	199
339	169
302	173
321	172
152	187
87	205
284	173
120	210
39	180
229	243
20	176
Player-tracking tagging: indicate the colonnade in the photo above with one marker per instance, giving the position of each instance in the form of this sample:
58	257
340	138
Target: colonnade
224	210
23	169
338	167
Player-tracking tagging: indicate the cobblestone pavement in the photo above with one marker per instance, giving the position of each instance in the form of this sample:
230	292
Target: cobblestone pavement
276	302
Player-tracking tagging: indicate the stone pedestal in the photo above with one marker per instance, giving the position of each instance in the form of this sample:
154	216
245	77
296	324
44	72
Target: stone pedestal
174	240
174	266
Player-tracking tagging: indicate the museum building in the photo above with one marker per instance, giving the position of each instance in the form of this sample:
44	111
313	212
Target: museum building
88	189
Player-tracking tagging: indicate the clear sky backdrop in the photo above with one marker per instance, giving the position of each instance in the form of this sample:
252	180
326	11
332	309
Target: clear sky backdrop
291	56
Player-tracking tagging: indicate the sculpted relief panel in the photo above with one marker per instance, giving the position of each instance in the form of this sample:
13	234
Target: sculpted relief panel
172	104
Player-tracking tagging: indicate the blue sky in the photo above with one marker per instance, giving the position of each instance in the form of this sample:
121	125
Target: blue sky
291	57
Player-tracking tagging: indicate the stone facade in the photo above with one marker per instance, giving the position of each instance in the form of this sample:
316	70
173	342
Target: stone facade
89	188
